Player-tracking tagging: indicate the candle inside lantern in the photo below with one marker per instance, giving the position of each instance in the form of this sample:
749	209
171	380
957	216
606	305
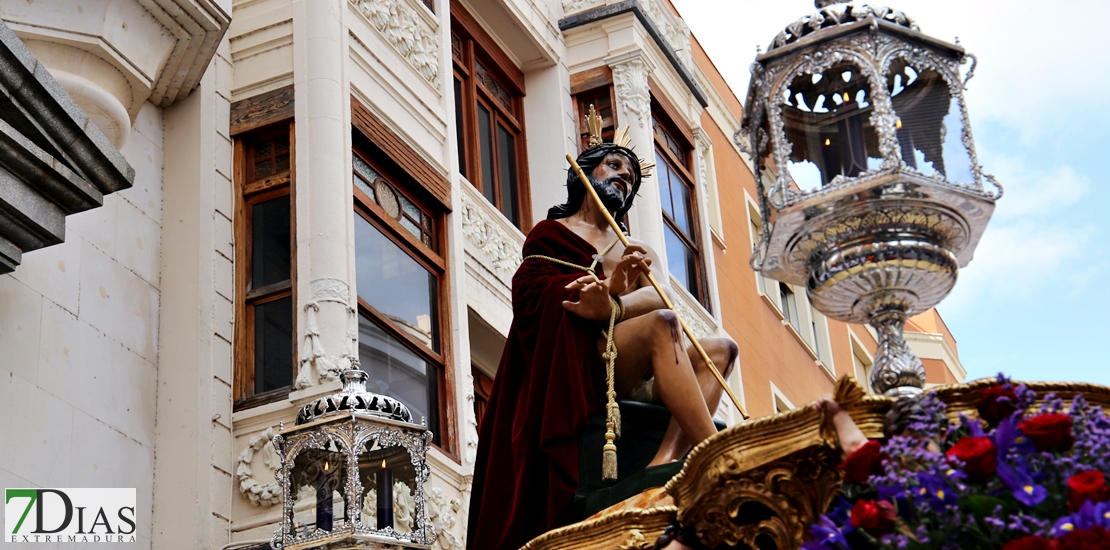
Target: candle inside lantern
323	499
384	478
830	161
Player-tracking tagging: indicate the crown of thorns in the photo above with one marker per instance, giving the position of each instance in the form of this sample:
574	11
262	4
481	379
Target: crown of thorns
621	142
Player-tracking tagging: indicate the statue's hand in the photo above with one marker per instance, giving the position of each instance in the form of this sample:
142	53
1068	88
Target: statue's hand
593	299
828	404
631	266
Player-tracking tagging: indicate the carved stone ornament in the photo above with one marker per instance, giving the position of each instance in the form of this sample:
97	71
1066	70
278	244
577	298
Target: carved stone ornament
406	29
572	6
471	432
499	250
630	78
259	494
330	290
674	30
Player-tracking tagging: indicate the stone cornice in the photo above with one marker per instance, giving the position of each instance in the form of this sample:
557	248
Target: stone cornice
602	13
53	160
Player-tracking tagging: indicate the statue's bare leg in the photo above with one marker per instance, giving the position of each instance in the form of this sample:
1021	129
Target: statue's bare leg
652	344
723	353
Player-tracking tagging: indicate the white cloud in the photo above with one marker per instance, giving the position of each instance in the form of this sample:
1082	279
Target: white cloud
1035	193
1015	262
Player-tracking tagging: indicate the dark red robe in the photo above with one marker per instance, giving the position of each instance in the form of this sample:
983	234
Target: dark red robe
550	380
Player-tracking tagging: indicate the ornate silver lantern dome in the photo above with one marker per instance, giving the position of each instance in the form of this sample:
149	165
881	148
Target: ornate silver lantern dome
350	461
868	179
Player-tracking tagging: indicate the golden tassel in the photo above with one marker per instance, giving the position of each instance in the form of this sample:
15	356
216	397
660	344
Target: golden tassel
609	457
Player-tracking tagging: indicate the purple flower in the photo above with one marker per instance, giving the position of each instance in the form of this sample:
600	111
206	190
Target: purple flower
935	491
826	534
1018	480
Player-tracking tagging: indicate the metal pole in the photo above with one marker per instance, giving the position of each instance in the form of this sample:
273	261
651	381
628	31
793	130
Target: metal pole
655	284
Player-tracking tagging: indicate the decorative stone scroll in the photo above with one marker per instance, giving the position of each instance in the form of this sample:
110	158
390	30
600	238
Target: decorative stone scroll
405	28
630	78
259	494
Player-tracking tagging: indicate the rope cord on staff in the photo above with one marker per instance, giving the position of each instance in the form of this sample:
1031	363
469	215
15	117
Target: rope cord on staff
612	410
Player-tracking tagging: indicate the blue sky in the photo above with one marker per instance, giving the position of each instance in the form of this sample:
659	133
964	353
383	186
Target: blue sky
1034	301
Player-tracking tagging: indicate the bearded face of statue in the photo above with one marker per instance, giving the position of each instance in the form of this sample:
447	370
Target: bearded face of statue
612	179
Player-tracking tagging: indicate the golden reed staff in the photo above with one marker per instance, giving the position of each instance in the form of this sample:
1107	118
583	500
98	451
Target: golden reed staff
659	289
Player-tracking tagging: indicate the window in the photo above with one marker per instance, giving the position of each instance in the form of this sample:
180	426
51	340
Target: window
789	306
400	277
265	337
755	228
680	215
483	388
602	100
489	121
782	404
861	362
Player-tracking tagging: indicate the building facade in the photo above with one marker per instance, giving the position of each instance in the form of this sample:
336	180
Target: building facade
320	183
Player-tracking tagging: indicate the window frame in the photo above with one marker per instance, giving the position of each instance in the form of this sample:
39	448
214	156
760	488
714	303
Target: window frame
681	166
476	46
427	257
247	194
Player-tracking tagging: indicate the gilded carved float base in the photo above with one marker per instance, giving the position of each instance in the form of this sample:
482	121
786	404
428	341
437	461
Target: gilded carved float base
761	484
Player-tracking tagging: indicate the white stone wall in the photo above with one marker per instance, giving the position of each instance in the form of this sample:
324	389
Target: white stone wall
193	463
79	325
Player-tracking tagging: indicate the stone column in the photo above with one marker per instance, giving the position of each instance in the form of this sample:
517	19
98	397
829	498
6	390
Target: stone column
630	79
323	189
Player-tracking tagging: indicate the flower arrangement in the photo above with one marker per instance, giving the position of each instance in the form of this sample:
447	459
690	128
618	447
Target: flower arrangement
1017	477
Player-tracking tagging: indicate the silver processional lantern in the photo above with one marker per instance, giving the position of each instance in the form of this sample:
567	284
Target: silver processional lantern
868	179
346	466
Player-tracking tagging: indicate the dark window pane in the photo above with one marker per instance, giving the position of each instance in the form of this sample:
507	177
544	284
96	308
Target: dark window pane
507	144
456	50
263	168
281	144
676	256
273	345
281	163
692	282
263	149
395	284
397	372
680	197
663	172
270	242
460	141
486	142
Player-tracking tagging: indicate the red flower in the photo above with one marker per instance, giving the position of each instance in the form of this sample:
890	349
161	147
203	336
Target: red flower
876	517
1084	486
863	463
1049	432
978	454
1084	539
1031	542
991	409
